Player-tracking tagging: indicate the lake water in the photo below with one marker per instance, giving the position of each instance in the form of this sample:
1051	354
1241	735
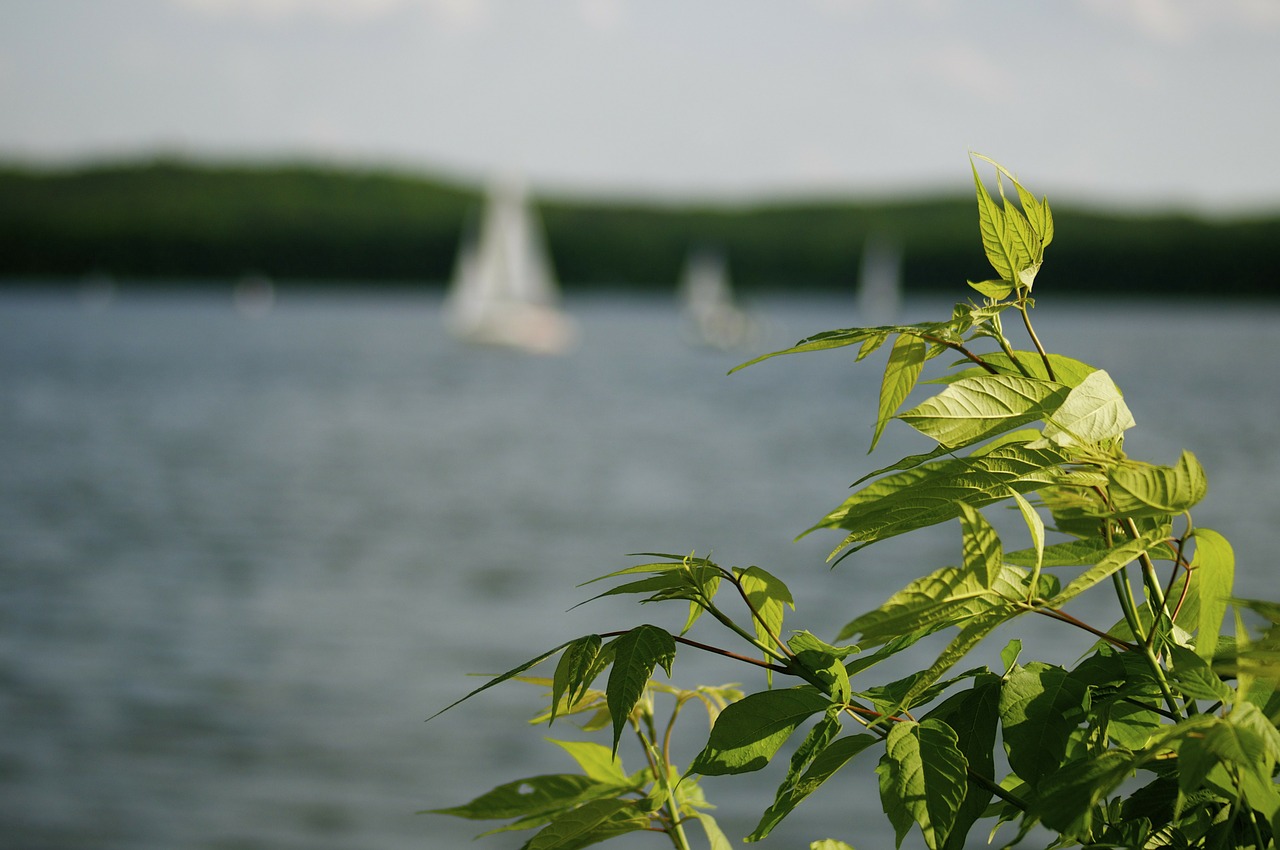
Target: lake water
241	561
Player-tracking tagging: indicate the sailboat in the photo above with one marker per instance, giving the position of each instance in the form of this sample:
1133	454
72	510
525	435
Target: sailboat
879	296
504	291
711	312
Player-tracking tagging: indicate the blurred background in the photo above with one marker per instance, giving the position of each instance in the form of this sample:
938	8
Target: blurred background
341	339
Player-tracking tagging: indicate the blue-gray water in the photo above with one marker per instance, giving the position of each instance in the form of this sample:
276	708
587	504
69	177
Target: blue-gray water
242	560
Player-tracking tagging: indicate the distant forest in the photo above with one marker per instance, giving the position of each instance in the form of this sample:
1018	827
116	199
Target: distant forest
170	221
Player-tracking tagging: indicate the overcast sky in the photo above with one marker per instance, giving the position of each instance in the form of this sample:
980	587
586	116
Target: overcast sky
1134	102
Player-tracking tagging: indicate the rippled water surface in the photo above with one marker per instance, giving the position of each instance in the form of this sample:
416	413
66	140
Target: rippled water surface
241	561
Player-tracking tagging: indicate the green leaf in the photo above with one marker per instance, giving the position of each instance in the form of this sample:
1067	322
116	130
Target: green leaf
922	779
973	633
1035	526
823	661
1093	413
769	597
932	493
994	289
973	715
510	674
1066	370
946	596
635	654
823	766
1040	705
716	839
1213	571
578	668
1072	553
906	359
748	732
1067	800
1122	555
527	797
974	409
588	824
596	761
829	844
1195	678
996	241
1143	490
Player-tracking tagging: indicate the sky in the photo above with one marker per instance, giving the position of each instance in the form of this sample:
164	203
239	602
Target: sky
1131	103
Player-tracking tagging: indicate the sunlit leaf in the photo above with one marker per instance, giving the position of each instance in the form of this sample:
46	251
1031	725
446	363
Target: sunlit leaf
1142	489
1093	412
1116	559
931	493
596	761
748	732
996	242
974	409
906	359
1213	572
769	597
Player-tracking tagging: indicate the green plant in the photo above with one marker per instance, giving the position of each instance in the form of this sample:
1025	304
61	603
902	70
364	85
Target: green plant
1163	735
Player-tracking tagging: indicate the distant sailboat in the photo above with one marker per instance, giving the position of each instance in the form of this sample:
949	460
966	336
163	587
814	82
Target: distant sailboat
879	298
710	310
504	291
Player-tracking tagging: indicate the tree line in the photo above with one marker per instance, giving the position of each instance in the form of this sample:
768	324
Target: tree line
170	220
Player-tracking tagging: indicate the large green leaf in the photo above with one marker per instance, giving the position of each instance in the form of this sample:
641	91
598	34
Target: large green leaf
1094	412
748	732
1040	705
922	779
974	409
906	359
1213	571
635	655
973	715
1144	490
932	493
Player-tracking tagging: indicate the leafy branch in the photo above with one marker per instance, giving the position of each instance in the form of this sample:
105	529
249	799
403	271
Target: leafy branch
1164	694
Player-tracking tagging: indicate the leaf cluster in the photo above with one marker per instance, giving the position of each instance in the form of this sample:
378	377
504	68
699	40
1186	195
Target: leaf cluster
1163	735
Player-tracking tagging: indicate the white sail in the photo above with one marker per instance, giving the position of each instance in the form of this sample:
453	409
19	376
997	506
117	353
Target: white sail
879	299
504	291
710	310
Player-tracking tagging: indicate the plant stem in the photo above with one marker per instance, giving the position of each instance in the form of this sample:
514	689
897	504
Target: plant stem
1031	332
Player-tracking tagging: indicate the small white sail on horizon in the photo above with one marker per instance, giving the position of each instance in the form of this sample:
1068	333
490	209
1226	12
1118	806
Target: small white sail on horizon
709	306
879	295
504	290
